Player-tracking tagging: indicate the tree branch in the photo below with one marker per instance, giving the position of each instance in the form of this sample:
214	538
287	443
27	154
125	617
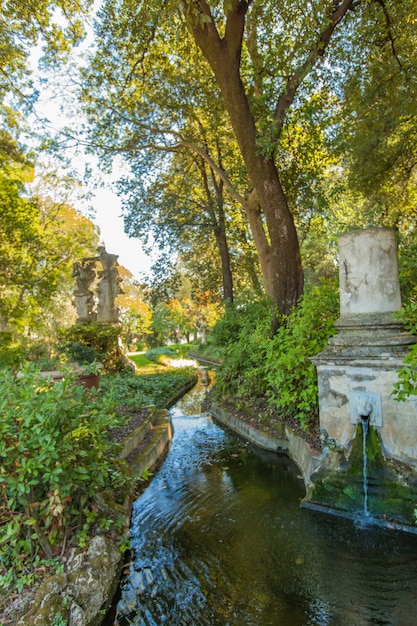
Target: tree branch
337	12
219	171
389	26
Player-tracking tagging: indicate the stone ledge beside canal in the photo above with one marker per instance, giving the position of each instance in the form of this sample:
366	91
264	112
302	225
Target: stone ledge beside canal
286	442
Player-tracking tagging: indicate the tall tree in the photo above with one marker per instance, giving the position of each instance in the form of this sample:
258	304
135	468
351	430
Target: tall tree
261	56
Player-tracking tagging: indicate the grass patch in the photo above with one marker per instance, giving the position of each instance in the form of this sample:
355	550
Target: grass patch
143	363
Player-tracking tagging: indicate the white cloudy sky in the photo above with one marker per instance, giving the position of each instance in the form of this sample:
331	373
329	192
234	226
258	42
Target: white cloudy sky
130	251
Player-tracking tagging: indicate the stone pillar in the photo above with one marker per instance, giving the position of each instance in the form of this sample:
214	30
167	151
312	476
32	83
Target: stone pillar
368	272
359	365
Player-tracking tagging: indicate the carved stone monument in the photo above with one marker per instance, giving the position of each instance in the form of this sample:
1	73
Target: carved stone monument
84	273
362	359
108	288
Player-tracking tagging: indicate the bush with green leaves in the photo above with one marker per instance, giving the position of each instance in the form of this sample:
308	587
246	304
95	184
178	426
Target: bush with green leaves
12	349
55	455
133	391
259	365
243	335
157	354
291	376
227	329
85	343
407	375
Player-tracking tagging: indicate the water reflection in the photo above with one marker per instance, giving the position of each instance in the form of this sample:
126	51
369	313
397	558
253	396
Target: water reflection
219	539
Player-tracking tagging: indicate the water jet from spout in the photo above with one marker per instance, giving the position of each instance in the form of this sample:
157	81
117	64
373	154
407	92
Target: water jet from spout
365	428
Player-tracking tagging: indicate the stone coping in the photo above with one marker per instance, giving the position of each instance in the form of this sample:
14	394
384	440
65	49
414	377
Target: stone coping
359	518
289	442
204	359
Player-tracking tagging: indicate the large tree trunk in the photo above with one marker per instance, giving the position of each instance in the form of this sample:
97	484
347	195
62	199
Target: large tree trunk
278	248
278	251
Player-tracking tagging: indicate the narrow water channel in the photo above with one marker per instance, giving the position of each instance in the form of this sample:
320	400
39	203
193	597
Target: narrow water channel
219	539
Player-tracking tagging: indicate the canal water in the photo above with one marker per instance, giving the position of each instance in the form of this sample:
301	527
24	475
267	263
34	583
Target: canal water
219	539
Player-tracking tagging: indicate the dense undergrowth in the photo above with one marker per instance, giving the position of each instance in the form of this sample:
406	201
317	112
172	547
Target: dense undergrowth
274	368
56	454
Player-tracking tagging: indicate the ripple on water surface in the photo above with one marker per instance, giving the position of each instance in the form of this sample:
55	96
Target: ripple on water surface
218	538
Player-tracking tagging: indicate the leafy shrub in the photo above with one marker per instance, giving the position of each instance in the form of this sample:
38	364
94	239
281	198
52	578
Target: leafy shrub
88	342
258	364
243	335
78	352
227	330
12	350
291	377
55	455
407	375
131	390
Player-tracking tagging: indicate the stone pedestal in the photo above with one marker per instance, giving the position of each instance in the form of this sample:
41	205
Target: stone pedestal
358	369
359	366
368	272
356	376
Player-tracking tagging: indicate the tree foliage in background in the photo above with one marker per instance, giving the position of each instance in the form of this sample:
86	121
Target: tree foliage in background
378	135
144	74
134	313
179	319
56	25
161	76
36	232
187	210
376	130
46	30
39	241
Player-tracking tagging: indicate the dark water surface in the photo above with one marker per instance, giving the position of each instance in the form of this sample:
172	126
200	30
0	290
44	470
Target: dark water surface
218	538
